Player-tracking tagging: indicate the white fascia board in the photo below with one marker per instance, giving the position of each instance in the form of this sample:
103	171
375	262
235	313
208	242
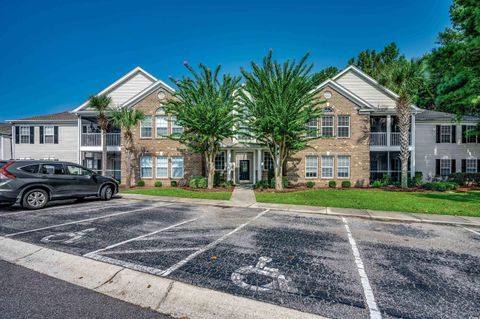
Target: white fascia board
148	90
118	82
344	91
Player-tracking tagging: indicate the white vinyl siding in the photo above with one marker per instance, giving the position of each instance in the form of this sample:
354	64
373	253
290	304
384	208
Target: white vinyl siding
129	88
146	166
146	127
327	166
177	167
343	167
311	166
162	167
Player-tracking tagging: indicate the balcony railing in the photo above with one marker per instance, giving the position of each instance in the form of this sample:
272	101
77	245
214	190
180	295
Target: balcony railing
395	139
380	139
95	139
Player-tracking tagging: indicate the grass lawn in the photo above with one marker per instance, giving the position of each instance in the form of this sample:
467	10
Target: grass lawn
467	204
179	192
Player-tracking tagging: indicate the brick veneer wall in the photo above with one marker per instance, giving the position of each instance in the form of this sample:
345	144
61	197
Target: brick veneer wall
193	163
356	146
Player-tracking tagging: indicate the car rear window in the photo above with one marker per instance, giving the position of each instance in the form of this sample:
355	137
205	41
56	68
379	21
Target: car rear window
52	169
30	169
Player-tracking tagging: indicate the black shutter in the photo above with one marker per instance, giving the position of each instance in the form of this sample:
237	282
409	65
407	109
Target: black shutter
464	165
454	134
55	134
32	134
17	134
464	137
453	167
478	166
437	167
41	134
438	134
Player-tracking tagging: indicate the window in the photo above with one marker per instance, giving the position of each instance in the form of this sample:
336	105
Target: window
52	169
177	167
77	170
24	134
220	161
146	127
470	138
162	126
343	126
327	166
445	133
49	133
471	166
343	167
176	129
311	166
267	161
445	167
327	126
162	167
33	169
312	128
146	167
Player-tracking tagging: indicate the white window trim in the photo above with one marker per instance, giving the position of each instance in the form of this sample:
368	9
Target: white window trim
224	161
171	167
309	126
477	138
20	135
442	166
157	126
444	134
45	134
174	125
348	167
339	126
264	166
316	167
142	126
157	167
328	126
332	167
141	175
475	163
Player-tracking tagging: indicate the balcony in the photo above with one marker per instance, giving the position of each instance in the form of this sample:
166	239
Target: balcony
381	139
95	139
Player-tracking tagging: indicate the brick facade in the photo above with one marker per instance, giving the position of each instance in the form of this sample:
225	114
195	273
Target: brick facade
161	146
356	146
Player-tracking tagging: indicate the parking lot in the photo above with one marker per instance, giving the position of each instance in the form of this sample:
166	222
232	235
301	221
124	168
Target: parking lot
333	266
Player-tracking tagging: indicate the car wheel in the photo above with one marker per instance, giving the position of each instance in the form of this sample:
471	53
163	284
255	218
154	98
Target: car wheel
35	199
106	193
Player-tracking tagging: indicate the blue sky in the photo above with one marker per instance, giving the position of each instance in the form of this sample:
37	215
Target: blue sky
54	54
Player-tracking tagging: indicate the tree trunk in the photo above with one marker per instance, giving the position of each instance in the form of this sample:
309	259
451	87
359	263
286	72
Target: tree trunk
211	170
104	152
278	169
404	114
128	162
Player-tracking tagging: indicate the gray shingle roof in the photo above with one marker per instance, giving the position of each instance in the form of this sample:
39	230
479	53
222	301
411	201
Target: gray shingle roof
5	129
63	117
428	115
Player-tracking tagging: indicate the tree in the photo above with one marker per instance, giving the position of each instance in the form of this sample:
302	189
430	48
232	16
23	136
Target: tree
276	102
101	104
455	65
204	107
373	62
325	74
126	119
403	77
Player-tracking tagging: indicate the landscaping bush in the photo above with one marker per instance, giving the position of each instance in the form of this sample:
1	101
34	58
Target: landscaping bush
173	183
310	184
418	179
285	181
332	184
386	180
227	184
263	184
158	184
440	186
377	183
465	179
346	184
218	179
198	182
140	183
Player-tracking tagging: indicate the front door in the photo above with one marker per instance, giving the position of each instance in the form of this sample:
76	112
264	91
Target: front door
244	170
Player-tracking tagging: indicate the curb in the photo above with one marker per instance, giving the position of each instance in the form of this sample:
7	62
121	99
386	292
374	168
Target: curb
391	216
163	295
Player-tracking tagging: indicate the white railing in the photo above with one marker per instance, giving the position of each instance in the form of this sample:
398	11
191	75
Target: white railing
95	139
378	138
395	139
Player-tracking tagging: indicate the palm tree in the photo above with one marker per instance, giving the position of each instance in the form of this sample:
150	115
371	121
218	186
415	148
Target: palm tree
101	104
404	78
126	119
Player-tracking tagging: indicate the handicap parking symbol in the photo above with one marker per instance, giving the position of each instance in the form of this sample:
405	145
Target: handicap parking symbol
278	281
67	237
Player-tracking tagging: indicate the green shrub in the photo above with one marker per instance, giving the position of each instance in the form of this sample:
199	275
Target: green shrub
332	184
418	179
263	184
218	179
346	184
228	184
377	183
174	183
310	184
386	180
465	179
198	182
440	186
271	184
285	181
140	183
158	184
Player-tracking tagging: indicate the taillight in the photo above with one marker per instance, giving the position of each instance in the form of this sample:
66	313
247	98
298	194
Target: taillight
4	174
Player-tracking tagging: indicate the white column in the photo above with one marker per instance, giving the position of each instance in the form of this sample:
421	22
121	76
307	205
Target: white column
229	165
259	165
412	147
389	129
253	166
79	140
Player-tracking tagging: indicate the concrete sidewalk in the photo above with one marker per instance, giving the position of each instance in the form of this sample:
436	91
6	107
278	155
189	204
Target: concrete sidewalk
242	197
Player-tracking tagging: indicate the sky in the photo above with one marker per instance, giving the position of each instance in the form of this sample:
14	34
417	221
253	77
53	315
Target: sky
54	54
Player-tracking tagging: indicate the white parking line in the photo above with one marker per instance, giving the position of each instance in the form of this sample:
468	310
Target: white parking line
126	264
148	251
470	230
367	289
84	220
139	237
209	246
